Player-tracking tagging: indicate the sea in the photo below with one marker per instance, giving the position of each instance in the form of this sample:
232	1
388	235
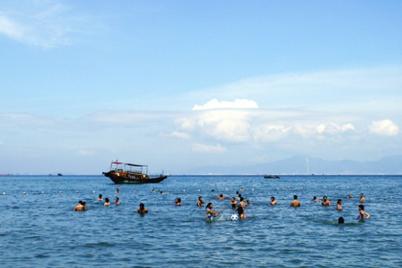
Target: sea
38	227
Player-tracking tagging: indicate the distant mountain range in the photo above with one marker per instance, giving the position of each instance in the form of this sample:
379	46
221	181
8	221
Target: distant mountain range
391	165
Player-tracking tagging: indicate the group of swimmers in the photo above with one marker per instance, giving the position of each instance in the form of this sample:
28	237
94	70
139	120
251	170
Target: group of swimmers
238	204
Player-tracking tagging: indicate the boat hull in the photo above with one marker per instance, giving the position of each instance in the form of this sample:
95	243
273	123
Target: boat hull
132	179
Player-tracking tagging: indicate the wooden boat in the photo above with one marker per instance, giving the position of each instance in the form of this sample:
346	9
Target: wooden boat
127	173
271	177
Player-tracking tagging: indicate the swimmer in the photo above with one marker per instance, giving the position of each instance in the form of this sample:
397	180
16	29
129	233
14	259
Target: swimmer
241	213
295	203
363	215
341	220
221	197
210	211
200	202
273	201
362	199
81	206
100	197
325	201
178	201
350	196
117	191
107	202
315	199
339	205
142	210
233	203
117	201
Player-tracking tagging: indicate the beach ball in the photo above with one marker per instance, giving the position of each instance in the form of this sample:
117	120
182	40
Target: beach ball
234	217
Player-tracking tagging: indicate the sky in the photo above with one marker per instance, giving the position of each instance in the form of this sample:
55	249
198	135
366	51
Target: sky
185	85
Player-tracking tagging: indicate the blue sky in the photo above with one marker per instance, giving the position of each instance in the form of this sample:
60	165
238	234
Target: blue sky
185	84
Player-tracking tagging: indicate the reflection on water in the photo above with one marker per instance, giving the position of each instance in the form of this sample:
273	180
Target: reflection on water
39	228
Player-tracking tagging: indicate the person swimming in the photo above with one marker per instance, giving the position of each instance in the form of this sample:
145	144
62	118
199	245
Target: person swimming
350	196
233	203
240	212
100	197
142	210
341	220
315	199
177	201
273	201
339	205
363	215
117	201
362	199
325	201
107	202
81	206
200	202
295	203
221	197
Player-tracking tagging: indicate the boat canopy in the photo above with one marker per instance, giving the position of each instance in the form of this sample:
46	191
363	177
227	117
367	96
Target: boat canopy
122	166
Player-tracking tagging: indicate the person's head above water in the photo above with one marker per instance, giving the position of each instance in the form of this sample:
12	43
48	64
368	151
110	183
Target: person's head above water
339	201
142	206
341	220
209	205
295	197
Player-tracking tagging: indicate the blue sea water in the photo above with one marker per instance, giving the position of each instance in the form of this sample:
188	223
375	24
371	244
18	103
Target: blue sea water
38	227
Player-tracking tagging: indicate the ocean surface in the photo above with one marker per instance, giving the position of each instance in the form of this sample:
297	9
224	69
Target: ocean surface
38	227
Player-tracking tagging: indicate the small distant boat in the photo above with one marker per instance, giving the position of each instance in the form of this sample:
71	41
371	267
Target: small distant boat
271	177
127	173
59	174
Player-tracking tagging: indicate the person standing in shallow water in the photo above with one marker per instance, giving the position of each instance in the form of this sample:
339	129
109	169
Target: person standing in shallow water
362	199
273	201
233	203
81	206
200	202
142	210
363	215
117	201
339	205
295	203
100	198
177	201
325	201
107	202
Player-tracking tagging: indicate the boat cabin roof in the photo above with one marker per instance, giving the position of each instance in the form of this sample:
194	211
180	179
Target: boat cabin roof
127	164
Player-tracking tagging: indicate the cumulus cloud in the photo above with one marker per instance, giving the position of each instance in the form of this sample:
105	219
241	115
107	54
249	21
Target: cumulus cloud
270	132
206	148
222	120
384	128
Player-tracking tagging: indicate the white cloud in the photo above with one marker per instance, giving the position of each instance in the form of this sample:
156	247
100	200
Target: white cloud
384	128
215	104
180	135
222	120
206	148
270	133
44	24
11	29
